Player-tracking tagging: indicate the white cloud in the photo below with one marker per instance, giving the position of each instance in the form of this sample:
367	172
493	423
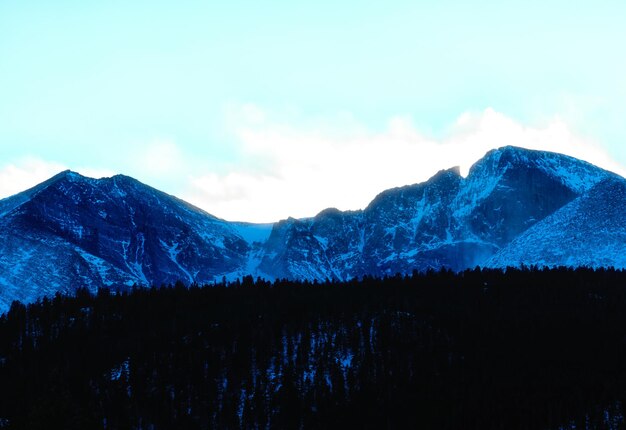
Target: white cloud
299	170
292	171
157	157
473	135
26	173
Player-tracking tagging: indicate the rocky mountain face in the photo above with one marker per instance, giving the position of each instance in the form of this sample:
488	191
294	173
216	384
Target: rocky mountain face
447	221
73	231
515	207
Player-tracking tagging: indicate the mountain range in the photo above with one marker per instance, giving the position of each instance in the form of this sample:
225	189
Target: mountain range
515	207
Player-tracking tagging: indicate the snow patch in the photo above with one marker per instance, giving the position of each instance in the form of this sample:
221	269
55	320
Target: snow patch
173	250
253	233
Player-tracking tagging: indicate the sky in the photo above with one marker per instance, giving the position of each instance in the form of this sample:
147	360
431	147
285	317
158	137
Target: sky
260	110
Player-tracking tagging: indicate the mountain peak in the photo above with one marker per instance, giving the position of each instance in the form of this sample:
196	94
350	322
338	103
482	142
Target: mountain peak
453	173
123	177
455	170
66	174
126	181
512	149
506	155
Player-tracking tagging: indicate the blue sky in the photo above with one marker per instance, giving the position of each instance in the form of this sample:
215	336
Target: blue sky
261	110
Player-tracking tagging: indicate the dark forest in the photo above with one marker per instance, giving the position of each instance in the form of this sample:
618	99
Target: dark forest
481	349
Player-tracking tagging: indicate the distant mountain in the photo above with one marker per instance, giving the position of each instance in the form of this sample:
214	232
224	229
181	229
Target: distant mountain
72	231
515	207
447	221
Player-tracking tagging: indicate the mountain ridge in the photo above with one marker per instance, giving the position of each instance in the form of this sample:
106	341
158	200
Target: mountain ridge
72	231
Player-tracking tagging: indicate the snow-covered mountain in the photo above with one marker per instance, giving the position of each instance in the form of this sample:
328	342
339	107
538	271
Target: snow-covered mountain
74	231
515	207
447	221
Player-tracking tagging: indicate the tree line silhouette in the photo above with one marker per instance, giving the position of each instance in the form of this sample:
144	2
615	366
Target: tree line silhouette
482	349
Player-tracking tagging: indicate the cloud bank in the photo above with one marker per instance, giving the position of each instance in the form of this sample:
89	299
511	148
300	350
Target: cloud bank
291	168
299	171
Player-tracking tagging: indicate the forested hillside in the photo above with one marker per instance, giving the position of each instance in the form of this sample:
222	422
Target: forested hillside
525	349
